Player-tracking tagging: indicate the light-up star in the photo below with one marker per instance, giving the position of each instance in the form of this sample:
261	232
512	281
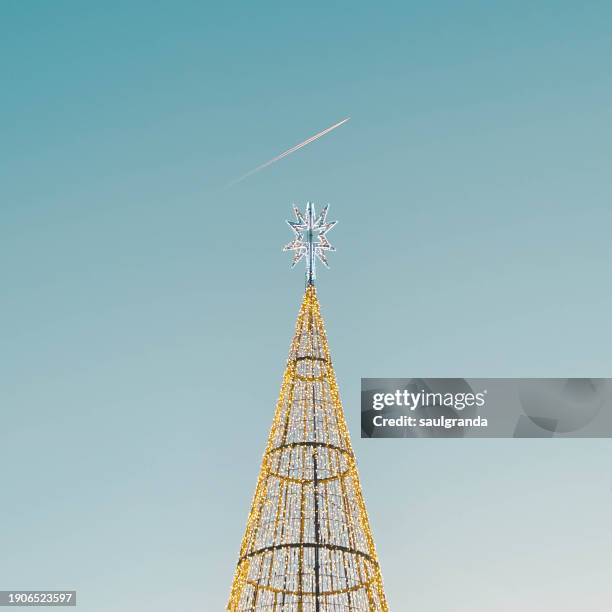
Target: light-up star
307	229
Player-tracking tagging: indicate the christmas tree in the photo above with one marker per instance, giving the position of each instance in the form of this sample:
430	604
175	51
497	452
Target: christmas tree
308	545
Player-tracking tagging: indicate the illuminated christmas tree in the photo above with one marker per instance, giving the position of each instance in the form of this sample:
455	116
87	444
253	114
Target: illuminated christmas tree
308	545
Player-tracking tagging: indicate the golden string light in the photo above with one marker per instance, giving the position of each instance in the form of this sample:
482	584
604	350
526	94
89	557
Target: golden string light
308	546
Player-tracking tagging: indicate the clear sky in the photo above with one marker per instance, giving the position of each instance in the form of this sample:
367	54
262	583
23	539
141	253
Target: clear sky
147	310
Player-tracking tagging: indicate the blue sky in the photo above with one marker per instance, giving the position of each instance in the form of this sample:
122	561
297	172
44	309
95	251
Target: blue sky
147	310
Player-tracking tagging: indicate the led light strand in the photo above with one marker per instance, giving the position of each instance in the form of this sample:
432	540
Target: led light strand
276	567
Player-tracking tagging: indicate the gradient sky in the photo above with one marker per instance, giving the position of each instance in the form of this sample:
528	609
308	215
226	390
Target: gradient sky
147	311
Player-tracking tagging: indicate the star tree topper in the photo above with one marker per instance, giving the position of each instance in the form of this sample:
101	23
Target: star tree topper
310	240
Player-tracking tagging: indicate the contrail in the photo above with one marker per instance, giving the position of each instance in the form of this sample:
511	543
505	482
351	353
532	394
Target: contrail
289	151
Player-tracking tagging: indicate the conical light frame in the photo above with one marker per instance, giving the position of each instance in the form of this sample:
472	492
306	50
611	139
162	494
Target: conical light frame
308	546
